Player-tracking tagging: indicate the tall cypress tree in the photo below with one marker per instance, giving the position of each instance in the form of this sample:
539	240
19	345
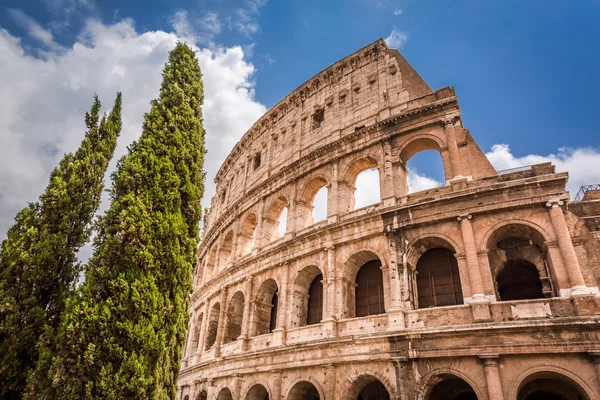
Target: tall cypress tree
122	337
38	259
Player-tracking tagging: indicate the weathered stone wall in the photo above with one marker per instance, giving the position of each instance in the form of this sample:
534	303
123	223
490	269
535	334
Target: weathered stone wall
248	335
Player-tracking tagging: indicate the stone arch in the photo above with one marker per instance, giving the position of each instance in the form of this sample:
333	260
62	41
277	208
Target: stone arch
211	262
234	317
485	239
266	302
270	224
421	143
435	376
247	232
300	295
202	395
304	204
427	241
374	287
361	380
347	187
224	394
212	326
519	261
553	372
225	253
304	389
258	390
196	339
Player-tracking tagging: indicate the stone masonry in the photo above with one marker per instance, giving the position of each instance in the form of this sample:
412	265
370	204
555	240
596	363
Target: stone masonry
484	288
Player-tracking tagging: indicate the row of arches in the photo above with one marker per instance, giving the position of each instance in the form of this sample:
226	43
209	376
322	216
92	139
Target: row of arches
446	386
359	187
519	266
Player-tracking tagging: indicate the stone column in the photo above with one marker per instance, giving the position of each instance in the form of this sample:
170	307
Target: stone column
333	194
217	263
492	376
595	356
276	384
244	336
291	217
280	330
221	326
448	123
234	244
259	240
401	369
395	312
565	244
466	229
386	178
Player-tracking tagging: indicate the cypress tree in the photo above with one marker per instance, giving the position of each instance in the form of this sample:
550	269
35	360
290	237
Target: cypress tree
38	259
122	337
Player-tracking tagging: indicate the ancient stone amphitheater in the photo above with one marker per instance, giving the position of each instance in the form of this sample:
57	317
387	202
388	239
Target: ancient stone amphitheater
484	288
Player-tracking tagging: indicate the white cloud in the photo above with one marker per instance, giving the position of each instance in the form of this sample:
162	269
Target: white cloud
398	11
581	163
367	188
201	32
396	39
43	101
34	29
245	19
418	182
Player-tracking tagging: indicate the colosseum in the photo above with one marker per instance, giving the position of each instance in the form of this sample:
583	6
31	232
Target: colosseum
483	288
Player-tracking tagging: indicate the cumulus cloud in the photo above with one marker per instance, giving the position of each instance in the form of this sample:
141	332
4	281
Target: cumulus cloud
581	163
201	31
43	101
396	39
245	18
34	29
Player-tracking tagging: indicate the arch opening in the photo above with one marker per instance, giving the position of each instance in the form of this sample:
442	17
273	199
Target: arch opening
196	334
438	279
257	392
224	394
551	386
265	308
307	297
226	251
450	387
235	313
368	387
211	262
319	206
213	325
282	223
312	204
202	395
304	391
275	219
369	297
367	190
424	171
247	234
519	262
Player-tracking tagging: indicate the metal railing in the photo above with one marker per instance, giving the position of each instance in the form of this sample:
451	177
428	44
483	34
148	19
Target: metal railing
516	169
581	193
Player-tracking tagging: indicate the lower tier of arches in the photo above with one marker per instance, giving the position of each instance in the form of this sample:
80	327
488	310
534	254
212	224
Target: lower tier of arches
484	377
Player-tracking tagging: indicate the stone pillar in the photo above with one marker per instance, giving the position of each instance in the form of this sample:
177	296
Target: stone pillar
234	244
492	376
400	179
333	194
386	176
217	265
221	326
595	356
244	335
567	250
259	240
280	330
277	378
329	321
401	368
448	123
480	306
291	217
395	312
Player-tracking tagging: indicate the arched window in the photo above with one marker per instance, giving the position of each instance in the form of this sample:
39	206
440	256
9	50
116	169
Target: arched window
246	238
226	250
369	290
282	227
547	385
425	170
452	387
196	334
304	391
235	313
314	314
224	394
211	262
213	325
374	391
202	395
274	223
319	207
265	308
519	264
310	208
438	280
257	392
367	190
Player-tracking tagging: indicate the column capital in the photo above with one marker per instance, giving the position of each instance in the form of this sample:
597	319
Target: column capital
554	203
449	121
492	358
464	216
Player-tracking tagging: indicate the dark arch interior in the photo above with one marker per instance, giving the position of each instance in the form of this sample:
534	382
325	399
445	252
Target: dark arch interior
547	388
314	313
304	391
273	317
374	391
369	289
438	280
258	392
202	395
519	280
452	389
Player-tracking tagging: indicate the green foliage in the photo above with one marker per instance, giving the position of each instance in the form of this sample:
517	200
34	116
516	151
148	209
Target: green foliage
38	259
122	336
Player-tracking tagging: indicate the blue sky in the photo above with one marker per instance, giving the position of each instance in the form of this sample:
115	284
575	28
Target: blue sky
526	72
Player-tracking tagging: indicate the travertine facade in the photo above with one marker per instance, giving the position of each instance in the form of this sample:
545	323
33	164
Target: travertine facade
484	288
